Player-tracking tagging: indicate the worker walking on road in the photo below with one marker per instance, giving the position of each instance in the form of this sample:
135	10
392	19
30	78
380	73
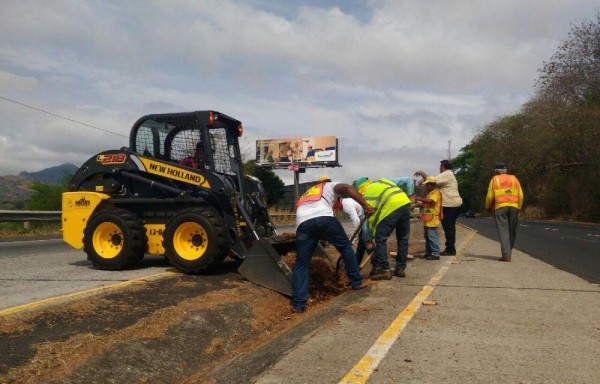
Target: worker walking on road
505	198
432	213
315	221
392	212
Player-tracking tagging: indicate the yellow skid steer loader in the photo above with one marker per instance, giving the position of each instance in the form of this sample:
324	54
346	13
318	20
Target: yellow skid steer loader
178	190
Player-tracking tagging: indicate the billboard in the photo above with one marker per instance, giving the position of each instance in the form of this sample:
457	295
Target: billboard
317	151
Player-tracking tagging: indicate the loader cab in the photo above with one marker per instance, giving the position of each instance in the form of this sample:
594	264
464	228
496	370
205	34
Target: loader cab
174	137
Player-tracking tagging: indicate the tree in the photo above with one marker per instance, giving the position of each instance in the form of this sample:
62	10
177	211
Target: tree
573	73
272	184
46	196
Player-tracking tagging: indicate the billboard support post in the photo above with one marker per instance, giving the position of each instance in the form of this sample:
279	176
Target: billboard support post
296	186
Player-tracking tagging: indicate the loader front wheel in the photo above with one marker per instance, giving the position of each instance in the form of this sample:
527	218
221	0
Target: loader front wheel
114	239
195	240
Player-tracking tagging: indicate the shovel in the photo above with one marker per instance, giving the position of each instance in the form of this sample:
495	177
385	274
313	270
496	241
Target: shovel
340	260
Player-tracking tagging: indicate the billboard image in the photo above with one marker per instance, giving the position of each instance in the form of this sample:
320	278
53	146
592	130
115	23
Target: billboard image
314	150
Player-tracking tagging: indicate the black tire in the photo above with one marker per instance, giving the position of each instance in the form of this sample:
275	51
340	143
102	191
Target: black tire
196	240
114	239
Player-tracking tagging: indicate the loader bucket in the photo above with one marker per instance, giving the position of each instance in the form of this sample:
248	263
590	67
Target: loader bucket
263	264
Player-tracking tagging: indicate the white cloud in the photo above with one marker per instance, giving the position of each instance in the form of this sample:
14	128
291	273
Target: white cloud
393	80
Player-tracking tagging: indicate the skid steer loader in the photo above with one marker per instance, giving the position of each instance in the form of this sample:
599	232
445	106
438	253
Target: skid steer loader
148	199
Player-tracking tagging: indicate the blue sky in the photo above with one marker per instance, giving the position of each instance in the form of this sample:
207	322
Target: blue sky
395	81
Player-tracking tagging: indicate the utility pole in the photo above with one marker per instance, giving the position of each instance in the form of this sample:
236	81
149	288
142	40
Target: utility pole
449	151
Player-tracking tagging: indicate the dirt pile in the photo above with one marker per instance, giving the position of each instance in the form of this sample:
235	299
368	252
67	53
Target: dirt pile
322	282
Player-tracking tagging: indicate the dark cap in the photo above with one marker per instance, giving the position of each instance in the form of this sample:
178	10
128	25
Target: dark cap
500	166
199	145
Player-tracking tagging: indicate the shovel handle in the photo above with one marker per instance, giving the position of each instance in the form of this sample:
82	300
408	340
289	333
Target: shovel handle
338	264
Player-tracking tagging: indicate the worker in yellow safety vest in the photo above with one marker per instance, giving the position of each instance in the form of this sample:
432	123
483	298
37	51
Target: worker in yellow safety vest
431	216
392	212
505	198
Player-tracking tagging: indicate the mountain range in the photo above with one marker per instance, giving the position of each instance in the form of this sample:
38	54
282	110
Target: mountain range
14	189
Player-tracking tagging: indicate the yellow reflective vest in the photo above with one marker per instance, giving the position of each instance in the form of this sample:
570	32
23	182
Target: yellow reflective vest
432	212
385	196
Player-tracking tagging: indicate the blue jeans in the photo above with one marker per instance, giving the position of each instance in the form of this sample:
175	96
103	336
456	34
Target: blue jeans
308	234
432	241
400	221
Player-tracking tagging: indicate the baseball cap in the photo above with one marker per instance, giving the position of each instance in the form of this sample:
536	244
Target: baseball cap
430	179
324	178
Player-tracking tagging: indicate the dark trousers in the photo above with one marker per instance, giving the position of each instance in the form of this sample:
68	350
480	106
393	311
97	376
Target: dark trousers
398	220
449	225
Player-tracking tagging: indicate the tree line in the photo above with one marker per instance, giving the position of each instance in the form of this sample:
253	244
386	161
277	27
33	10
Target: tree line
552	144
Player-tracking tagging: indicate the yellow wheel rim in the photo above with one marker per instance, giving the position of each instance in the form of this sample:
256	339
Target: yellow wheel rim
190	241
108	240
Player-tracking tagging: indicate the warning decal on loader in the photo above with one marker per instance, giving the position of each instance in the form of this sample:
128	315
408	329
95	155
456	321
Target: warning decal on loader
174	172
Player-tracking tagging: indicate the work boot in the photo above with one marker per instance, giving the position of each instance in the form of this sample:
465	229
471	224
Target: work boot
399	272
381	274
364	284
447	253
432	257
298	310
374	270
505	259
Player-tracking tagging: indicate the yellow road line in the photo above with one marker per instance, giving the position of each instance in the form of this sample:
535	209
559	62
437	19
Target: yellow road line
361	372
91	291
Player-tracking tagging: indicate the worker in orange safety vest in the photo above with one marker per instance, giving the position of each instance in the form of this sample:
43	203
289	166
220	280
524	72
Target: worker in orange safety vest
505	198
315	221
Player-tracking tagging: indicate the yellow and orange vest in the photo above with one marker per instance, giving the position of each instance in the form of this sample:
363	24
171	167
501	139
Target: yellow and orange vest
313	193
432	212
506	191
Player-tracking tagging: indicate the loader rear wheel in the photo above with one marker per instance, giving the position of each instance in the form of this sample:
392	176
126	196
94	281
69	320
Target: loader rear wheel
114	239
195	240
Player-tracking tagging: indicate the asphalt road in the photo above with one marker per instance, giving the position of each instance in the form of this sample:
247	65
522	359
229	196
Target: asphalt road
34	270
572	247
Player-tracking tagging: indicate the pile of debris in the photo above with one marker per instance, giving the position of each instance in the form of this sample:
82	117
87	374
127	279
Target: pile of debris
322	281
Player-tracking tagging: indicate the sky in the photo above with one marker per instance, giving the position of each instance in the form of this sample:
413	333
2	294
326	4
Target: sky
401	84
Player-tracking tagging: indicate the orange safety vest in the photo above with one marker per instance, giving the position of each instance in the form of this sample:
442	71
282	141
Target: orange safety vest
313	193
506	190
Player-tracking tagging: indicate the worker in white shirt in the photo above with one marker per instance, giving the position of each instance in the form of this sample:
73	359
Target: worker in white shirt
354	211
